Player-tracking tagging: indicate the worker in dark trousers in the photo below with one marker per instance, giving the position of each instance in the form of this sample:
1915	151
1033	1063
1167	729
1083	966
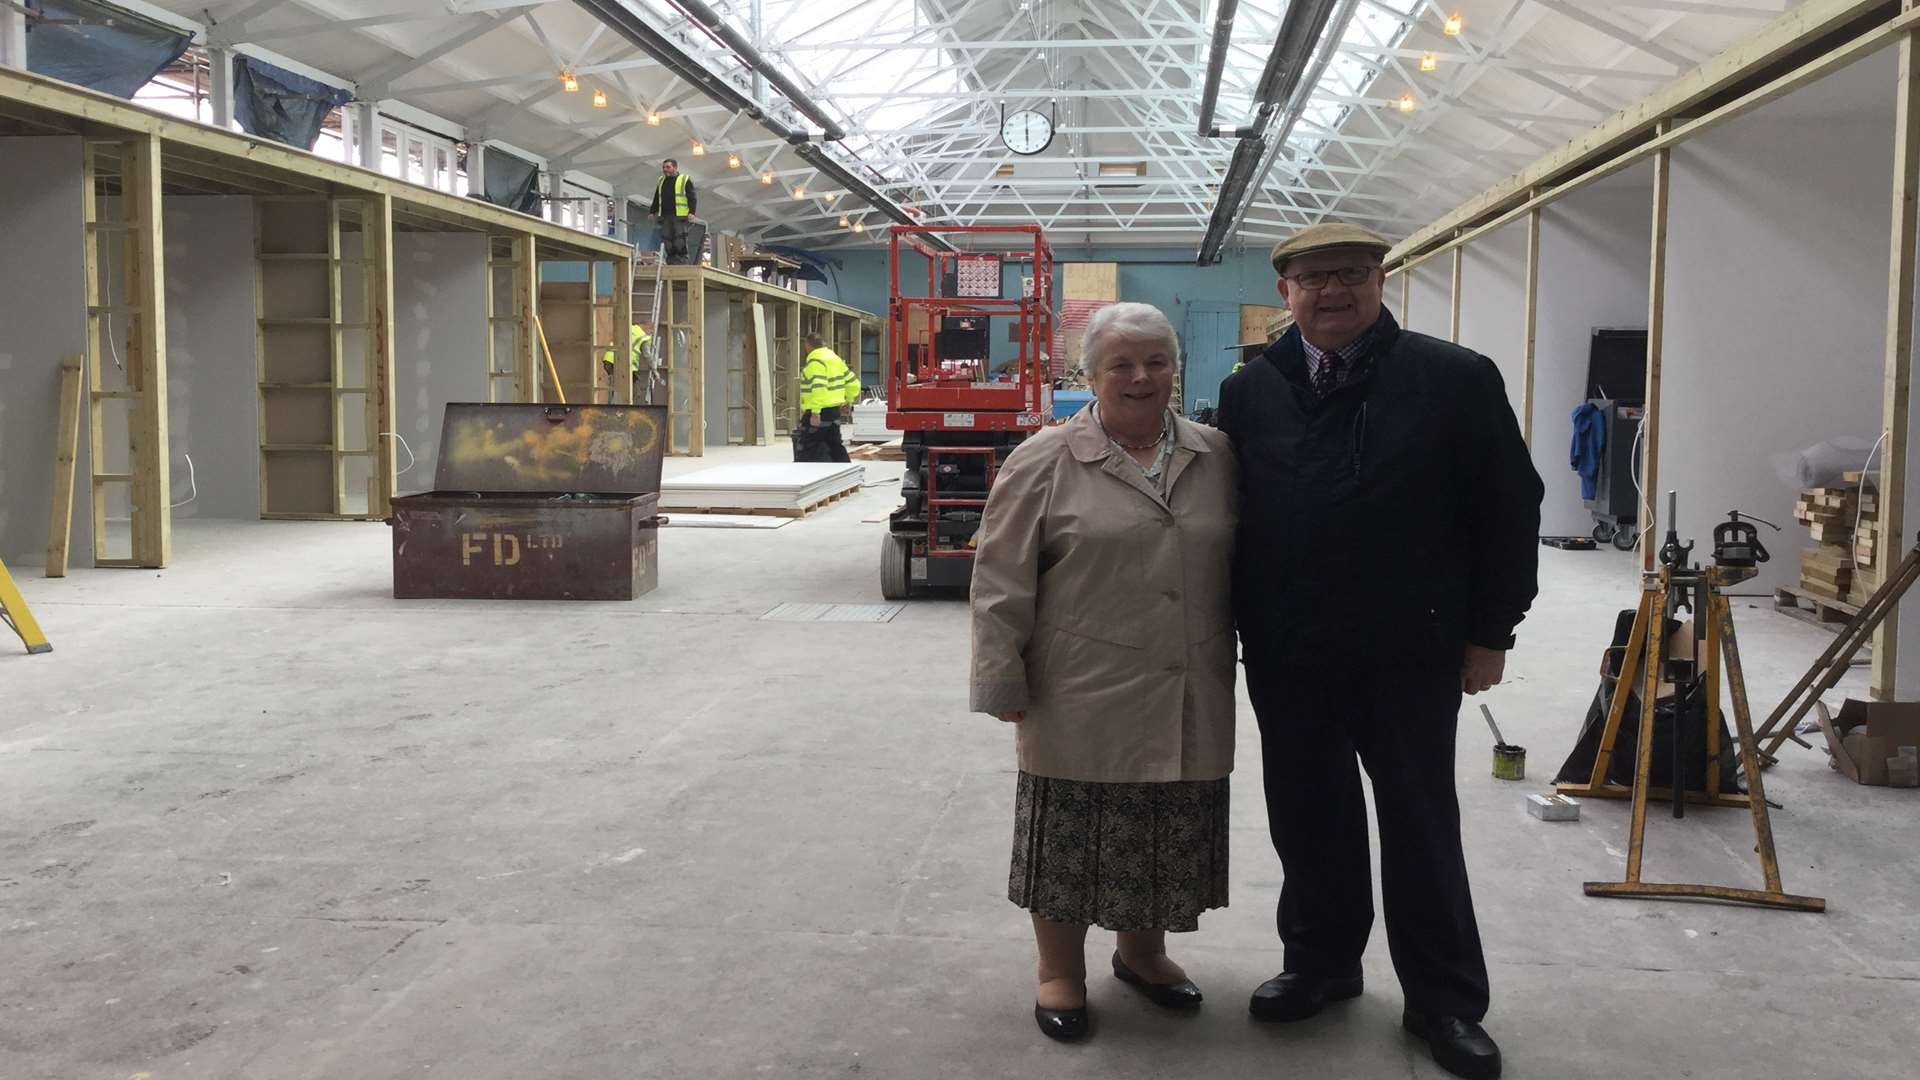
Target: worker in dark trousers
674	201
1387	550
828	390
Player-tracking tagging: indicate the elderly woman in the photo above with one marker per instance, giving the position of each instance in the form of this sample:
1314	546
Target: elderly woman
1103	632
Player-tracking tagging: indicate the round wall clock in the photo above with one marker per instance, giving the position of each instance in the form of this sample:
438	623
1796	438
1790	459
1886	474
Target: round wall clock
1026	132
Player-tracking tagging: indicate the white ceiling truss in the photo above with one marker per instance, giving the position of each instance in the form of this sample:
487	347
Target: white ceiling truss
920	86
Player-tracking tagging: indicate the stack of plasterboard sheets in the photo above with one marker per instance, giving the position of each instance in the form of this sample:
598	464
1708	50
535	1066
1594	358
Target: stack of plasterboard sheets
870	423
784	488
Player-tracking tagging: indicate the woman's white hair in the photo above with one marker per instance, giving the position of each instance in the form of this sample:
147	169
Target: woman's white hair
1129	322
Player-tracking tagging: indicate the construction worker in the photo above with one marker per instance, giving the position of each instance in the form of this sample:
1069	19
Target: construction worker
674	201
828	388
637	341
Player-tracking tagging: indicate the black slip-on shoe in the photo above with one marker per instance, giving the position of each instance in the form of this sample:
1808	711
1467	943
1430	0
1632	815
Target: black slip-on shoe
1180	995
1066	1025
1296	995
1461	1047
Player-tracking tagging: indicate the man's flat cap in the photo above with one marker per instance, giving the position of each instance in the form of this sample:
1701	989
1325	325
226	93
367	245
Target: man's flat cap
1331	234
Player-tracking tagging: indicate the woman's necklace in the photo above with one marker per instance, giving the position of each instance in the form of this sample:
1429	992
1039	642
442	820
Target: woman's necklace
1157	439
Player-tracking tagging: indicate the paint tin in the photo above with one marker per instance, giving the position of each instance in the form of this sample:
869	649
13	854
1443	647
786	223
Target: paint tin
1509	762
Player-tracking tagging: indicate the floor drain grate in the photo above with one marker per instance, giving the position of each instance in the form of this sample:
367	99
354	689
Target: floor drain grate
846	613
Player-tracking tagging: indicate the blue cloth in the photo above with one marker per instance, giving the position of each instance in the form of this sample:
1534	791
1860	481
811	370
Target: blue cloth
1589	443
278	104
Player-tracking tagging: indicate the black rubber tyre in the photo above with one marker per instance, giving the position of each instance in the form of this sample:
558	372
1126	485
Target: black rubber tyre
896	568
1602	532
1626	539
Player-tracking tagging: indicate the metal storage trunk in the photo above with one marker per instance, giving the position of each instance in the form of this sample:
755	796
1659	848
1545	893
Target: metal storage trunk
536	502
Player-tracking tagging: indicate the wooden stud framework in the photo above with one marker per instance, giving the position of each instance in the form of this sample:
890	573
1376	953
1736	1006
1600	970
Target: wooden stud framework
343	273
139	375
66	454
1531	324
682	350
510	334
1896	389
1453	318
622	331
1648	512
324	341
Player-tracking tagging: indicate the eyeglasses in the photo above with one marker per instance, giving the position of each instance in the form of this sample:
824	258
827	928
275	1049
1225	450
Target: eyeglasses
1315	280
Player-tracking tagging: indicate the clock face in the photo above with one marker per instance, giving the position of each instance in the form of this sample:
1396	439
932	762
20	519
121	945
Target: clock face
1026	132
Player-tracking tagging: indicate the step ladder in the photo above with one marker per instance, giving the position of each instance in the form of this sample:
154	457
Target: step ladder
13	612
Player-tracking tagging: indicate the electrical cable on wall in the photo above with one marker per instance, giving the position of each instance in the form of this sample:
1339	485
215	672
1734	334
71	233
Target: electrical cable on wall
402	440
1859	508
193	485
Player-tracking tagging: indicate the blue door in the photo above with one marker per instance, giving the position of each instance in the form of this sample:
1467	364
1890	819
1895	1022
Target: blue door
1212	330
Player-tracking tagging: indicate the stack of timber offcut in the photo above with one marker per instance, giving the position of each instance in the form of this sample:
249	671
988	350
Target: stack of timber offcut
1843	521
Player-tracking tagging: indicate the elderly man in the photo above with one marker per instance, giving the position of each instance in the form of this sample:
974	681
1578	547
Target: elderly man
1387	550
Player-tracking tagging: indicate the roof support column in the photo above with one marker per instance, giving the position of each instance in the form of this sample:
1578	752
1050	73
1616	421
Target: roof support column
13	37
220	85
366	128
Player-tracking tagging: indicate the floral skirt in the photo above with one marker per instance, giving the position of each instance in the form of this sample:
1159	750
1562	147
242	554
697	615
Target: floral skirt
1120	856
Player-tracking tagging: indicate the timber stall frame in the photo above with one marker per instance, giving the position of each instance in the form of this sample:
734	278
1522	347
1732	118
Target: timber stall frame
682	351
1799	47
323	278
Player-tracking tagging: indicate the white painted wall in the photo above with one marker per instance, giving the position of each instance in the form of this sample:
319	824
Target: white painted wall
212	398
1431	300
43	316
1493	299
1776	301
1593	273
440	339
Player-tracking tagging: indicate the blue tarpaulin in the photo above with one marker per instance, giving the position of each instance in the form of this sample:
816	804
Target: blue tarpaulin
511	181
98	46
277	104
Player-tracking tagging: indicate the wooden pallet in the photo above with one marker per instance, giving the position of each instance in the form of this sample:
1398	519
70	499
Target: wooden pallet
1822	611
762	511
888	451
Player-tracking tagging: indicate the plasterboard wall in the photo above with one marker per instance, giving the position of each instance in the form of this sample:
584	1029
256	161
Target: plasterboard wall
1429	304
212	400
43	316
1593	273
1788	351
440	340
1493	294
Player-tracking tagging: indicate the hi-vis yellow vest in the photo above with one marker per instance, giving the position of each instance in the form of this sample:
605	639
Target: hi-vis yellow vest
679	194
826	382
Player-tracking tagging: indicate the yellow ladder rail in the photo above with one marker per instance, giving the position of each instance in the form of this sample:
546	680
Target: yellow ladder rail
14	612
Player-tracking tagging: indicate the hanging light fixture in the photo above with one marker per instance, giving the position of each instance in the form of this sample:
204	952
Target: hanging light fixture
653	119
1406	102
569	81
733	161
1453	24
766	178
1429	61
699	148
832	197
799	191
845	222
599	98
859	226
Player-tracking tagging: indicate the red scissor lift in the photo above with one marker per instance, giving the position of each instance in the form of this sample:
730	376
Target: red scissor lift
961	414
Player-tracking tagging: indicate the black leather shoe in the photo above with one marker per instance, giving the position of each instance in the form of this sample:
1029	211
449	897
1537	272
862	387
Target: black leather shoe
1180	995
1296	995
1461	1047
1066	1025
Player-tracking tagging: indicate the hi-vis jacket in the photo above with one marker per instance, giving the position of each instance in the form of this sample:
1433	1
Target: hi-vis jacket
826	382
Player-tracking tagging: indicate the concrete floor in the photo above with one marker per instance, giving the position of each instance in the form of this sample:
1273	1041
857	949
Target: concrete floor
259	820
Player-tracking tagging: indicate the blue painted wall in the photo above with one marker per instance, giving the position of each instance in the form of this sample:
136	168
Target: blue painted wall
1164	277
